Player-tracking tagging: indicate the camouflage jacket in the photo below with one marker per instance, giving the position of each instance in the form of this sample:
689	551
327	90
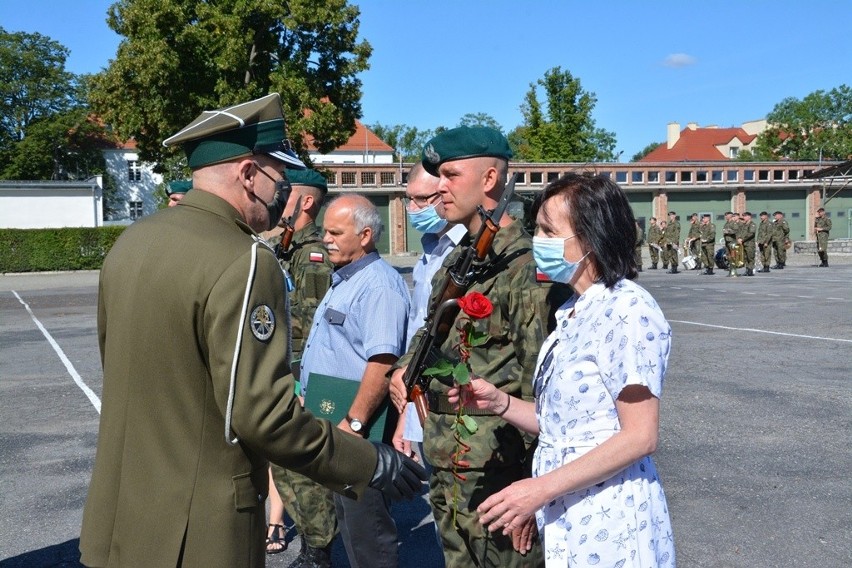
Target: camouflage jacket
731	231
640	237
655	235
671	236
764	232
823	223
694	231
782	230
522	317
746	233
707	233
310	270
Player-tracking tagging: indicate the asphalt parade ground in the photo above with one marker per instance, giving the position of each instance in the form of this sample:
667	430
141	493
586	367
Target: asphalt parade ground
756	418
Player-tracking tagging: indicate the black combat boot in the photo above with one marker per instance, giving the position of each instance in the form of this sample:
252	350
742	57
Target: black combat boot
653	266
749	272
710	271
317	557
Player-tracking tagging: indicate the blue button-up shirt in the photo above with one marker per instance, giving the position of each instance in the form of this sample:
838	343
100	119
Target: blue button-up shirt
363	314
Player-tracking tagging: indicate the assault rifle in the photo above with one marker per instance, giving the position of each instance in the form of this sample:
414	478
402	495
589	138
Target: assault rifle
289	224
444	309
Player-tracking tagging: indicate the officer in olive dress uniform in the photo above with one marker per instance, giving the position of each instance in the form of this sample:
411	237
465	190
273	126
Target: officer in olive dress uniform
672	239
745	238
707	236
780	239
764	240
655	235
196	395
472	164
822	226
693	240
310	505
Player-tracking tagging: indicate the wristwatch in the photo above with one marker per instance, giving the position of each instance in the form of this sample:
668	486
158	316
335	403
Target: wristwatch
354	424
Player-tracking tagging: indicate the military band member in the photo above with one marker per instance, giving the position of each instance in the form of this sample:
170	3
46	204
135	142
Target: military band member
655	235
672	237
693	241
764	240
196	394
746	240
822	226
780	240
707	235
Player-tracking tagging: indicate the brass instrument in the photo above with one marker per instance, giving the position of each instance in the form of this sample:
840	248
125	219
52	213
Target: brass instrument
736	258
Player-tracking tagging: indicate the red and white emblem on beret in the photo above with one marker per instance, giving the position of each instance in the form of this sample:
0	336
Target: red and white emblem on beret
316	257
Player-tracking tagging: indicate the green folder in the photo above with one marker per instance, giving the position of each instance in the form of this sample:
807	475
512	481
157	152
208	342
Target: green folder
330	398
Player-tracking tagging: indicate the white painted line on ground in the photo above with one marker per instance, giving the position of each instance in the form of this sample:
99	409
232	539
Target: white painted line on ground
774	295
806	297
96	402
762	331
837	299
752	293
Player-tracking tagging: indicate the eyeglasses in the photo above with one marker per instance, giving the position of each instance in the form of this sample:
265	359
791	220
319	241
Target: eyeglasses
420	202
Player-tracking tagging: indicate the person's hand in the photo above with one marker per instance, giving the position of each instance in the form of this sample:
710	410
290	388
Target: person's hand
398	392
400	444
522	538
511	508
478	393
396	475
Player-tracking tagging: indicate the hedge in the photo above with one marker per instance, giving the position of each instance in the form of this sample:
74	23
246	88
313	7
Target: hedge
35	250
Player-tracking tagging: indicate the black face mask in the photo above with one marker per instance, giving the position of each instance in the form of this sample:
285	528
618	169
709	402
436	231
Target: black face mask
275	208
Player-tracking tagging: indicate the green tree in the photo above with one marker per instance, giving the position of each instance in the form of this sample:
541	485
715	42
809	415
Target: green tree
563	130
645	151
180	57
480	119
404	139
818	126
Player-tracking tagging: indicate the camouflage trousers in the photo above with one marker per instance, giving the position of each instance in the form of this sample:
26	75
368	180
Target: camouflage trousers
708	255
467	542
309	504
766	255
655	254
780	251
748	254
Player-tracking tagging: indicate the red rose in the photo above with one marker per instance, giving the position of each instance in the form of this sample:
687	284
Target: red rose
476	305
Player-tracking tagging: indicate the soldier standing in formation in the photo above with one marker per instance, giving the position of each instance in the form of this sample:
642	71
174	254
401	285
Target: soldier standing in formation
640	240
707	235
745	238
472	164
764	240
780	238
671	234
693	241
655	235
822	226
729	232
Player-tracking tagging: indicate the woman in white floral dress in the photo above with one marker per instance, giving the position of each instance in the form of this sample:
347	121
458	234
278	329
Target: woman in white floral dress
595	491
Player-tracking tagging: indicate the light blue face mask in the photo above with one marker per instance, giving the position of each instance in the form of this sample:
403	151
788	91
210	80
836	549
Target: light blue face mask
427	220
549	255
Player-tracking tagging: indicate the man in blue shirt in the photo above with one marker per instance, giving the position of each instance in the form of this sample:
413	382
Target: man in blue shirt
357	333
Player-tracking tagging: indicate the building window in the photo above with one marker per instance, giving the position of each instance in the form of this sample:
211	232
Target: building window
806	173
716	176
620	177
671	176
331	177
778	175
841	213
535	177
748	175
653	177
792	174
134	171
733	152
388	178
720	217
552	176
762	175
607	175
347	178
794	215
521	178
368	178
637	177
732	175
685	177
135	209
701	176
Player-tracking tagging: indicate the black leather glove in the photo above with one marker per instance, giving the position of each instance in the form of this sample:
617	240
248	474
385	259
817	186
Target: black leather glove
396	475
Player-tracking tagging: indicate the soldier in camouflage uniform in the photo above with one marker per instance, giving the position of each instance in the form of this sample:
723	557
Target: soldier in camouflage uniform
693	240
822	226
672	238
472	164
780	238
306	262
654	237
640	240
707	236
746	240
764	240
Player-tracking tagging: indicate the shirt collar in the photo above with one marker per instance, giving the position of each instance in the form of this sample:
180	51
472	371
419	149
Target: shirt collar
351	269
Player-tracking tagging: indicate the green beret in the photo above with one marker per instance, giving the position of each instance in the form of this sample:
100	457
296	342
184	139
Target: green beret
464	142
308	177
255	127
181	186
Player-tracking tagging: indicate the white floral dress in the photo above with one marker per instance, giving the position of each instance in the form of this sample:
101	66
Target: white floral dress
617	337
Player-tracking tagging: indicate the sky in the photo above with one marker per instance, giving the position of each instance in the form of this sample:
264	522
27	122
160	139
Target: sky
648	62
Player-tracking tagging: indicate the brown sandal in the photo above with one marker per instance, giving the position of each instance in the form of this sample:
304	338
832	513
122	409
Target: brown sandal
275	539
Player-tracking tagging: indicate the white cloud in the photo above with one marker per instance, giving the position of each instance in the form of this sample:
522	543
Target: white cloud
677	60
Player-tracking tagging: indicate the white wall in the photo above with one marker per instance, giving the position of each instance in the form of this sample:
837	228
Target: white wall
50	205
341	157
127	191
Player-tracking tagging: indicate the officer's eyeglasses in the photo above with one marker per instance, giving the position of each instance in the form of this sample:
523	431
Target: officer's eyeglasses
420	202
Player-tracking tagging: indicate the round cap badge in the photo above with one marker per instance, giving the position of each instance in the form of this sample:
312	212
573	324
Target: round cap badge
262	322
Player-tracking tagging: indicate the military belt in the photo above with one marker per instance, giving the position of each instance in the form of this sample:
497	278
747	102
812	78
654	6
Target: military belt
438	404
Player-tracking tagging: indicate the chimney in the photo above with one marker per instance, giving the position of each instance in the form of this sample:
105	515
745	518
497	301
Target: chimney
692	125
672	134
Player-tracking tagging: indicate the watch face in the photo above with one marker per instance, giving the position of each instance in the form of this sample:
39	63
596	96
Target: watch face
355	424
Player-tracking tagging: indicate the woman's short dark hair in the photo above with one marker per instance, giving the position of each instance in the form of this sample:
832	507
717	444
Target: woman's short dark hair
602	219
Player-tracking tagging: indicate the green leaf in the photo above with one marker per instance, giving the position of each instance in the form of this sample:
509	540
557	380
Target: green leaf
461	374
469	424
477	338
441	369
